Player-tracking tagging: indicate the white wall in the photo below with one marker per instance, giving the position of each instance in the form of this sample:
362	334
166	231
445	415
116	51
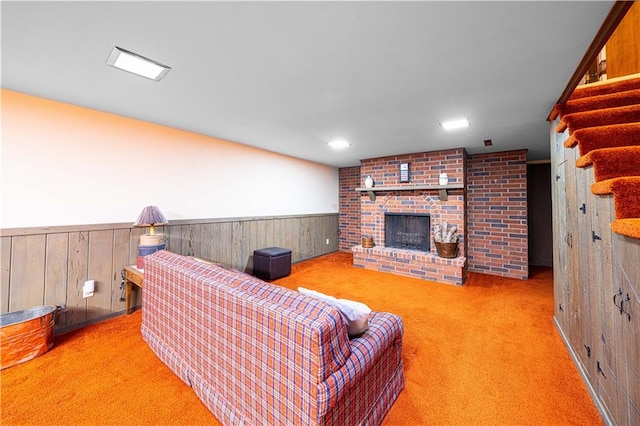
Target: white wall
66	165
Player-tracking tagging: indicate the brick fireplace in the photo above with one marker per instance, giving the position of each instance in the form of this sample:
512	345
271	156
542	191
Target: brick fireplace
422	195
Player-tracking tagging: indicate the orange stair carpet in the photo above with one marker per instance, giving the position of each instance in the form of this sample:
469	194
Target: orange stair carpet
610	100
623	189
599	117
609	163
588	139
617	85
603	119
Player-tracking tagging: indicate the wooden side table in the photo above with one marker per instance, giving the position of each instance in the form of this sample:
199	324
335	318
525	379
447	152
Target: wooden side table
132	276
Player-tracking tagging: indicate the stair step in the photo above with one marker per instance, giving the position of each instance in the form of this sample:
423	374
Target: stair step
626	227
626	195
606	87
611	136
610	100
609	163
599	117
620	184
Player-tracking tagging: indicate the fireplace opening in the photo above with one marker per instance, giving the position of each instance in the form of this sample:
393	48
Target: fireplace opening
409	231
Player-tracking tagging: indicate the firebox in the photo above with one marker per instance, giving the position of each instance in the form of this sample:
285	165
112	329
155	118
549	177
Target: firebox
409	231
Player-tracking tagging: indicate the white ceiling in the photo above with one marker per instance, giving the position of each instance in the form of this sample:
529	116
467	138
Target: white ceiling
290	76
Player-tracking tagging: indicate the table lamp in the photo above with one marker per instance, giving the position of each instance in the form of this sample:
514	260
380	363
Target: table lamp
151	216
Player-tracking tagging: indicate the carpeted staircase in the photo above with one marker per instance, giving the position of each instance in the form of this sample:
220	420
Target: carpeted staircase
603	119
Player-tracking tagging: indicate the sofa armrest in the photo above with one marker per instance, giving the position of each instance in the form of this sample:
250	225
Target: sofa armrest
379	346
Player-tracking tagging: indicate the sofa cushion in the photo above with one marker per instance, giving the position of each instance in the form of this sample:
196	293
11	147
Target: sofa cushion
356	314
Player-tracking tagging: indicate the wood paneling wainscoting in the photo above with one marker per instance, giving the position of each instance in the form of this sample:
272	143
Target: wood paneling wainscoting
50	265
596	288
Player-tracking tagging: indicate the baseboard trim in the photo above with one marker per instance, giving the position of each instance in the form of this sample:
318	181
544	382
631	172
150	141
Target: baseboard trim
594	396
73	327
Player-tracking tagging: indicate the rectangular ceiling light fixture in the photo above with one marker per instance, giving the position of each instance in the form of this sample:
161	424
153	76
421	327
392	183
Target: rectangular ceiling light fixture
136	64
455	124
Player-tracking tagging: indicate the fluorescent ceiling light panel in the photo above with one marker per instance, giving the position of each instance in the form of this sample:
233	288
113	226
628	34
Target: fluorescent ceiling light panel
136	64
339	144
455	124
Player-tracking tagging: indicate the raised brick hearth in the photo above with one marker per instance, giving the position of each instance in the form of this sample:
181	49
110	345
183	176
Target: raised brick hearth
425	170
410	263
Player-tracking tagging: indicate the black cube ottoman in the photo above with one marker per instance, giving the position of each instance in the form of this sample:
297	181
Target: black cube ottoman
271	263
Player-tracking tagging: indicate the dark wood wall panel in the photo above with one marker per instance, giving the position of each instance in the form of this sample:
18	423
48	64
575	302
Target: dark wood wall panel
120	256
5	273
99	269
623	47
57	271
27	271
78	263
50	265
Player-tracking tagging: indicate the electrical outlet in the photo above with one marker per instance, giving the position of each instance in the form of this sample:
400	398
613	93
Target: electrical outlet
327	241
88	288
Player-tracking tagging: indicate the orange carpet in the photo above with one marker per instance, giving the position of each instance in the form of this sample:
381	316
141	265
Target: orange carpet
486	353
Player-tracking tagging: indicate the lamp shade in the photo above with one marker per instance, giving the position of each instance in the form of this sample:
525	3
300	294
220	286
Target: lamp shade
151	216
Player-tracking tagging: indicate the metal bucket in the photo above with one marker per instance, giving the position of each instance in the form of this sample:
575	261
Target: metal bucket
26	334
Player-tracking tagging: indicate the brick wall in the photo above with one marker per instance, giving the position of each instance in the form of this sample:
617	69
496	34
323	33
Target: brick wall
497	214
349	208
425	169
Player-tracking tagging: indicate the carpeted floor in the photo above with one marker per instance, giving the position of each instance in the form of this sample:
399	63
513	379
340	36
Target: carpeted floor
486	353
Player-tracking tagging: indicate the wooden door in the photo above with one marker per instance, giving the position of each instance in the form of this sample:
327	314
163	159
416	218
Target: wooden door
603	332
540	241
626	277
577	317
561	270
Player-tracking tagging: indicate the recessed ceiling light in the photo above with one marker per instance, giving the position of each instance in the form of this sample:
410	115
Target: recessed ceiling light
339	144
455	124
136	64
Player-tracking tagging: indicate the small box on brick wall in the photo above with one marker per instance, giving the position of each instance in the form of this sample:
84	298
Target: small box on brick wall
271	263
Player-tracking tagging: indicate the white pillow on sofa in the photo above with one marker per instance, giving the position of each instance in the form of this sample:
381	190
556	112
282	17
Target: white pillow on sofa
355	314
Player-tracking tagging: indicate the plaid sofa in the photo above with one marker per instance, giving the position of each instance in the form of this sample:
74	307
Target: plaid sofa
260	354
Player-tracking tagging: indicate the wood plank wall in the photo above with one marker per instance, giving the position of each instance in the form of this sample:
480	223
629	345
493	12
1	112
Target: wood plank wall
596	288
50	265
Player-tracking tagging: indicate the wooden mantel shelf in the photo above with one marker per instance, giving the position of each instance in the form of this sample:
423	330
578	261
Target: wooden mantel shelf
441	188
